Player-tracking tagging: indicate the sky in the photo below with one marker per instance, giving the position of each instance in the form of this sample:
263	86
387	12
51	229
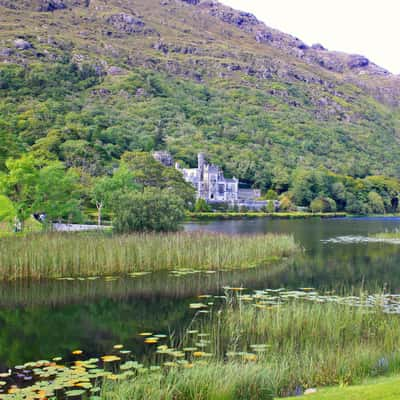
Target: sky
367	27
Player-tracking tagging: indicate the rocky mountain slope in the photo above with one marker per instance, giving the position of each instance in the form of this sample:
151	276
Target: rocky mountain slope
253	97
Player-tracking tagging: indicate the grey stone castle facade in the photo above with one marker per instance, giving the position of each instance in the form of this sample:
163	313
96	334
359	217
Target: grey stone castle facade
211	184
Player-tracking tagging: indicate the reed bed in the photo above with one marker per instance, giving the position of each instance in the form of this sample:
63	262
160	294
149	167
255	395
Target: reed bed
274	350
210	381
56	255
310	344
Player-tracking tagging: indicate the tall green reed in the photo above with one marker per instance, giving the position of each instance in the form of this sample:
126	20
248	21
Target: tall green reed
55	255
310	344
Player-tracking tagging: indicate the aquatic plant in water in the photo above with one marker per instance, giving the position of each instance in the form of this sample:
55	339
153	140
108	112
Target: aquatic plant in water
288	340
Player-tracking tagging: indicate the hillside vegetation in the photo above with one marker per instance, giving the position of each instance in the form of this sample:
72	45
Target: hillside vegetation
86	81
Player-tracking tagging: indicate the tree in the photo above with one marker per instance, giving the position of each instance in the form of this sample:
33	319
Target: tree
270	208
105	189
8	143
7	211
152	210
148	172
56	193
201	206
306	185
280	179
323	204
354	205
19	183
338	192
317	205
286	204
82	154
35	184
271	195
376	203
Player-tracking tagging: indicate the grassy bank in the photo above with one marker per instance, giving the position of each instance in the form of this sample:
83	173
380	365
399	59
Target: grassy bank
378	389
219	382
253	215
76	255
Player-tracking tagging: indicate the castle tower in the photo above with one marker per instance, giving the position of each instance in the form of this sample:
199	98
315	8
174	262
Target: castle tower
201	161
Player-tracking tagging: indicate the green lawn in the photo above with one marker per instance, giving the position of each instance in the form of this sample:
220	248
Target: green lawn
380	389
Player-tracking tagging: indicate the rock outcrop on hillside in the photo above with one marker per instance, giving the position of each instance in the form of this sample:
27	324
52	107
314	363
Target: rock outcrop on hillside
43	5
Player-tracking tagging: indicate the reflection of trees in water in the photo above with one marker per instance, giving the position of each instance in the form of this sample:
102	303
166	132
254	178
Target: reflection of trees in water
47	319
28	334
346	267
160	284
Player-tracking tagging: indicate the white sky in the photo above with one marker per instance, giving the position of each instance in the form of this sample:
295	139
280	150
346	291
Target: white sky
367	27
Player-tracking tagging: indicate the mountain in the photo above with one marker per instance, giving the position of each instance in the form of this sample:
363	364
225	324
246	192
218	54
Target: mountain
90	79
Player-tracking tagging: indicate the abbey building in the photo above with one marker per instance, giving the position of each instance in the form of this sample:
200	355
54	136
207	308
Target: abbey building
211	184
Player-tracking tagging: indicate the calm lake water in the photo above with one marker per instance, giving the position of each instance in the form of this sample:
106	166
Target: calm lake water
49	319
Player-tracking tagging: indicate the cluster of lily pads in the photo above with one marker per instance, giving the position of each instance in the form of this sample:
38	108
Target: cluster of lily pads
108	278
81	379
361	239
388	303
270	298
186	271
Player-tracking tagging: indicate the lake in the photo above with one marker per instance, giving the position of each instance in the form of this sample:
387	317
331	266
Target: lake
48	319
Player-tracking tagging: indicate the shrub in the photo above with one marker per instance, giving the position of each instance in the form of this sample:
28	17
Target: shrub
271	195
286	204
323	204
153	210
202	206
375	203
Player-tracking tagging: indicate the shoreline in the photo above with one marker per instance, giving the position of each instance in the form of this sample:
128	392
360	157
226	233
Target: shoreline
209	216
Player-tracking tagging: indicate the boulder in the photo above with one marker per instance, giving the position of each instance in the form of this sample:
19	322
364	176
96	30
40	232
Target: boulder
193	2
357	61
22	44
43	5
6	52
264	36
318	46
310	391
115	71
53	5
126	23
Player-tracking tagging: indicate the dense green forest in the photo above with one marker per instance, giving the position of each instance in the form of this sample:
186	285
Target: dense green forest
89	121
55	113
311	133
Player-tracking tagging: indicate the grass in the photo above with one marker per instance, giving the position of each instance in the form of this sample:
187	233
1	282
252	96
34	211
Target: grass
56	255
381	389
219	382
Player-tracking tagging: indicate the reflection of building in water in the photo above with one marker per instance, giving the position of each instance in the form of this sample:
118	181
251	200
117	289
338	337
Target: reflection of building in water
211	184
